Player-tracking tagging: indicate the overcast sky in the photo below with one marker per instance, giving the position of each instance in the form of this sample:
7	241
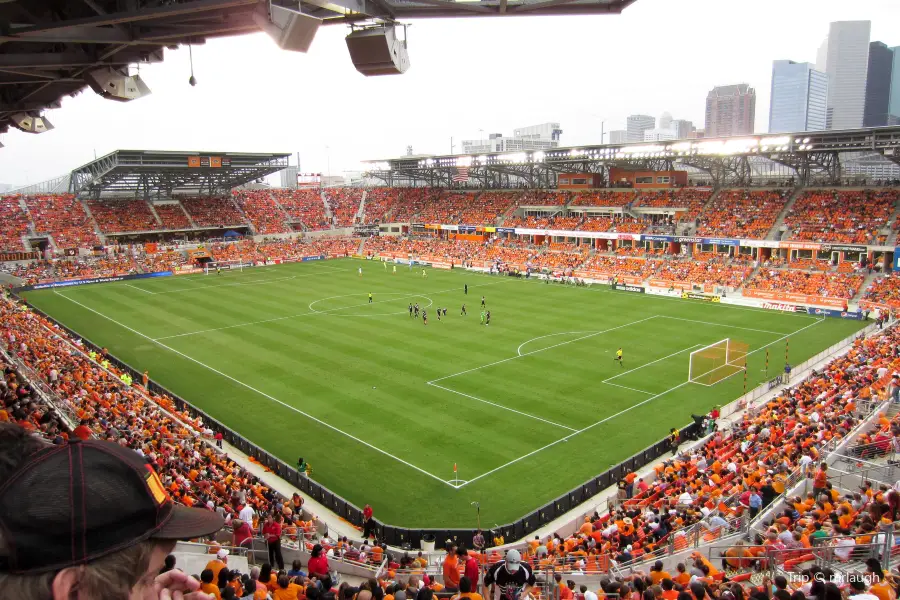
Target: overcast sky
466	75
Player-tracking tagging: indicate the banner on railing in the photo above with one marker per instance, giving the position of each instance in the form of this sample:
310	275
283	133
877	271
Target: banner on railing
699	296
630	288
784	307
836	314
795	298
74	282
308	258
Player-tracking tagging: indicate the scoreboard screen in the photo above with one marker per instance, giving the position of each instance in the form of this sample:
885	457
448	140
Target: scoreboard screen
309	180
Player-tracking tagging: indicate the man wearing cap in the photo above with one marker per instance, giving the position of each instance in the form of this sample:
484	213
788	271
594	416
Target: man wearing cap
513	578
88	520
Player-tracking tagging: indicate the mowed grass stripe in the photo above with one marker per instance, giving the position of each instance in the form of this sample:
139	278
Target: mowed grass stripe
297	359
309	380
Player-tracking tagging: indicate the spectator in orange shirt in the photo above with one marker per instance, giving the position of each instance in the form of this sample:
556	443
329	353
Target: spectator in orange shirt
451	570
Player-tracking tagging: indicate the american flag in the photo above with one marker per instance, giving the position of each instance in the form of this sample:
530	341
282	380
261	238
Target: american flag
462	174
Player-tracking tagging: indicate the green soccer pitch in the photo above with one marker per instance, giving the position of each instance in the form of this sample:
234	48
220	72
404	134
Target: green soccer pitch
296	359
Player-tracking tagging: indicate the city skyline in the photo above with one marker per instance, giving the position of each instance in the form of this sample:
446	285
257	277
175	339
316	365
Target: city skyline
317	106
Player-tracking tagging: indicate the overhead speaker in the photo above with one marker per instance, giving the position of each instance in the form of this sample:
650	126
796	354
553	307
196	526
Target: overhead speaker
115	85
31	123
377	51
292	30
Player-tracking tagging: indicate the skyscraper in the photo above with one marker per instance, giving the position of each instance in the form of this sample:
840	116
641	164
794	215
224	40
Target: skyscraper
894	104
799	96
618	136
636	125
683	128
878	85
846	64
730	110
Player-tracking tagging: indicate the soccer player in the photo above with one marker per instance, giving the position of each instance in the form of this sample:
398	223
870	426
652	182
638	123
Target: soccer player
445	312
482	302
360	271
370	297
218	270
488	321
463	311
619	357
466	289
384	264
424	317
395	269
482	317
424	274
410	310
439	313
416	309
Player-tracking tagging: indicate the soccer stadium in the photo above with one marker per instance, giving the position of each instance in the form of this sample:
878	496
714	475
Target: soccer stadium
657	369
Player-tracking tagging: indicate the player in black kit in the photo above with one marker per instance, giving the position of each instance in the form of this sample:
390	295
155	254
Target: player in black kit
410	311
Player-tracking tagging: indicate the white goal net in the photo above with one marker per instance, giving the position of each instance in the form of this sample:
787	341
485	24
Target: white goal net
711	364
224	265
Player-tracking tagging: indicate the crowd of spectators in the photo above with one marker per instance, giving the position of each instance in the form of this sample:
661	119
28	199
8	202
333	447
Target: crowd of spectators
117	216
13	224
812	283
466	208
380	204
558	222
304	205
412	201
63	217
713	270
841	216
603	198
263	212
213	212
172	215
543	198
742	213
613	265
885	290
344	205
693	199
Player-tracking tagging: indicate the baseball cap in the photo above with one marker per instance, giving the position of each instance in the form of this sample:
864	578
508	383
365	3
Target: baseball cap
71	504
221	553
513	558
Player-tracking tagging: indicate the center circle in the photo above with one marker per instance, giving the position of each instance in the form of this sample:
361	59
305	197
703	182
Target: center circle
340	311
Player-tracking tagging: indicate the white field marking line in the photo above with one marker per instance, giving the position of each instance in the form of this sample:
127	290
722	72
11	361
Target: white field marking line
584	337
519	349
571	435
401	294
722	325
621	412
629	388
322	312
608	379
518	412
261	393
140	289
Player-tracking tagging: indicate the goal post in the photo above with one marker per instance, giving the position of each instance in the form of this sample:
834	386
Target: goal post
711	364
225	265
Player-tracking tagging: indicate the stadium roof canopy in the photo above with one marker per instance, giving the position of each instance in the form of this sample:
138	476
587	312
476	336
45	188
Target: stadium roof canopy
152	174
804	156
47	47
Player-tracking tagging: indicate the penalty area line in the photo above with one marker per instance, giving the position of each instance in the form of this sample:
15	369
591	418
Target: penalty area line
571	435
259	392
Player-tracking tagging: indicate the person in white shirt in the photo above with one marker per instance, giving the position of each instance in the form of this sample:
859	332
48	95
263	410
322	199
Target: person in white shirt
246	514
843	547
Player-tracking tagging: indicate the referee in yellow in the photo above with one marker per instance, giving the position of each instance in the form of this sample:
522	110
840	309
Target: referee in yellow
619	357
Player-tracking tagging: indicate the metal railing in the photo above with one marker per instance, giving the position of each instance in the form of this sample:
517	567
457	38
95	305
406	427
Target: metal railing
61	407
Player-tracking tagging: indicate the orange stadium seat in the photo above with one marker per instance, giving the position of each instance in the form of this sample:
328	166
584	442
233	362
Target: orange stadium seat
742	213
